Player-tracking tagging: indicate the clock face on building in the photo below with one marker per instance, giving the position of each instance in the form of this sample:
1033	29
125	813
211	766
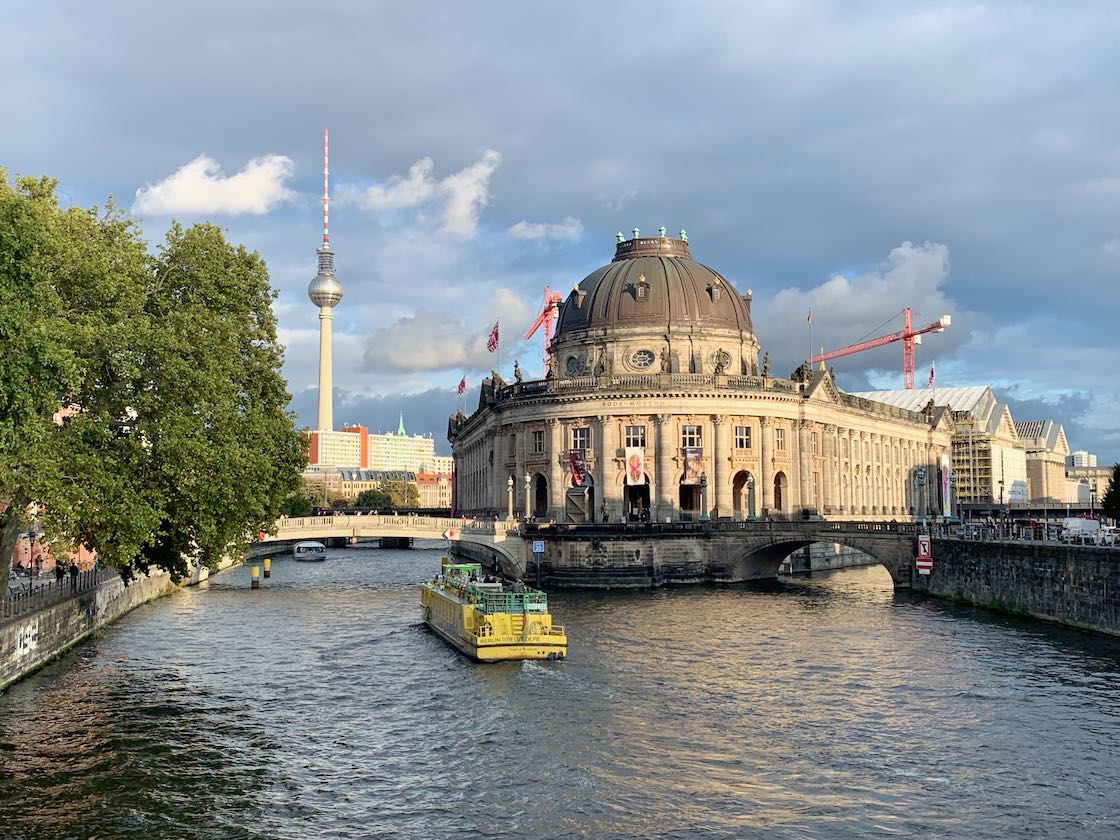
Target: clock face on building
642	358
572	365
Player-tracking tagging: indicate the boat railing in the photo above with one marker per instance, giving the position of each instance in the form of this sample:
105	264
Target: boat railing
528	601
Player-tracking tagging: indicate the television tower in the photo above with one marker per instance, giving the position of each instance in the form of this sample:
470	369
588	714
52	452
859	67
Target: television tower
325	292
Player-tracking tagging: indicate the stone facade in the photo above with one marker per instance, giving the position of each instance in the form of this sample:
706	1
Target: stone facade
29	642
655	363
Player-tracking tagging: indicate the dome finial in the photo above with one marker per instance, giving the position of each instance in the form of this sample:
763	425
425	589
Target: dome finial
619	237
661	231
684	235
636	232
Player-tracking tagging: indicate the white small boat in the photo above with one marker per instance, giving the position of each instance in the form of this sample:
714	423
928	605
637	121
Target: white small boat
310	551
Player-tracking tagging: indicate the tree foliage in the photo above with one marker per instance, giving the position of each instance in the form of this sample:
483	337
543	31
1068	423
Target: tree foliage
1110	503
374	499
404	494
175	445
297	504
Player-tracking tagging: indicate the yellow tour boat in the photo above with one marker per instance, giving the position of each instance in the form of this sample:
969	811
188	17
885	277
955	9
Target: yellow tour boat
490	620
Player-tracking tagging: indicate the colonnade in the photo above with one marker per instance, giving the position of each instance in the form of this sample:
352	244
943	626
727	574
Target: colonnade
817	467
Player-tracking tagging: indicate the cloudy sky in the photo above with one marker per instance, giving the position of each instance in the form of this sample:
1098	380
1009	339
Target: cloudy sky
960	158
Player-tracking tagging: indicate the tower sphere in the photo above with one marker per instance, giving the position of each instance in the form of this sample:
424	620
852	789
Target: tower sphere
325	290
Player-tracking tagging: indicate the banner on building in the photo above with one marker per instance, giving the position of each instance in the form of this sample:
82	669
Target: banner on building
946	490
579	467
693	464
635	465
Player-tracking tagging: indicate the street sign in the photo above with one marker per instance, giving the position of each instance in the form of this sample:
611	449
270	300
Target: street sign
538	546
451	534
924	561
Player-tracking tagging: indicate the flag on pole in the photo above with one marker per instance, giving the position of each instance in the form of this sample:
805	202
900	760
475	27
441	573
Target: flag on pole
809	320
492	340
462	389
931	374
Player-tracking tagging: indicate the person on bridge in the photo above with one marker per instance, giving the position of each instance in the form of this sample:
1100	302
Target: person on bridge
59	574
73	576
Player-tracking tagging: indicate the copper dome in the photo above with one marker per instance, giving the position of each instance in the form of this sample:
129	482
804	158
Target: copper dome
653	282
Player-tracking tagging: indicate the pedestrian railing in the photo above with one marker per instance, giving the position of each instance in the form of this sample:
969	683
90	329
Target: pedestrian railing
28	595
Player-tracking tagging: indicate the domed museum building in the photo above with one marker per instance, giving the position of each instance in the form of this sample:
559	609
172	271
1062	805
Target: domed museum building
660	405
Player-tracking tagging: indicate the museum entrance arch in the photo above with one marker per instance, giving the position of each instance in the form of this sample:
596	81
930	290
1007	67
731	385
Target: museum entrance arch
635	499
781	494
690	501
743	493
540	496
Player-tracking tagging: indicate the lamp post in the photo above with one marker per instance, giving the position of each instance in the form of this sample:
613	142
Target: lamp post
30	560
704	497
509	497
528	486
750	497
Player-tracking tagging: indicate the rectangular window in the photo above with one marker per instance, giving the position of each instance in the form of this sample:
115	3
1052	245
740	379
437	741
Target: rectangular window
690	436
538	442
636	436
581	438
780	439
742	437
816	445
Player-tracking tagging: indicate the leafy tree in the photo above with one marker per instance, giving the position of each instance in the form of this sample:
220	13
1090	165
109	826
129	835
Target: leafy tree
403	494
1110	503
297	504
374	499
176	445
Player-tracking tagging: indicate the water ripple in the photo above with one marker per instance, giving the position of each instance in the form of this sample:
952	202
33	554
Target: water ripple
320	706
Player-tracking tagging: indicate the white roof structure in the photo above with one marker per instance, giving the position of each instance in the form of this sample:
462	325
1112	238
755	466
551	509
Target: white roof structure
915	399
975	401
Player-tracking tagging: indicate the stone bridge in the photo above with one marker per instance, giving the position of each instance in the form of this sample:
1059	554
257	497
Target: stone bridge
642	555
486	540
620	555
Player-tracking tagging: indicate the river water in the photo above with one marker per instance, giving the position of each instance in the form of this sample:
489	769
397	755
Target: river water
319	706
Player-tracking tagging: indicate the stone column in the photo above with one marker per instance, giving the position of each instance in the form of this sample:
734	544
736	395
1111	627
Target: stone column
876	474
604	469
864	483
519	452
720	501
804	464
664	484
766	465
556	453
831	472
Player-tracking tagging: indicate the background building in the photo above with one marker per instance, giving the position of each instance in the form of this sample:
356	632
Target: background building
989	460
1081	458
1047	449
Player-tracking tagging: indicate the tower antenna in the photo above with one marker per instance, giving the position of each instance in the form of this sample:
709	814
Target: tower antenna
325	292
326	194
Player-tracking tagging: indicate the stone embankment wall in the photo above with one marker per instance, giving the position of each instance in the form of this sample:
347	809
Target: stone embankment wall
1075	585
30	641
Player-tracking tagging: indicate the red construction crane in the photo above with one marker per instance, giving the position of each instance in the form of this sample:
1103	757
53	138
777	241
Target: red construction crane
909	337
547	319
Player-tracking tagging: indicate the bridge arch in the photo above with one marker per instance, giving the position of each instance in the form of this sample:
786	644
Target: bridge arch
759	555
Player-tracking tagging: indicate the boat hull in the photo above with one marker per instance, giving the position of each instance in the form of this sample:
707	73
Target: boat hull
487	637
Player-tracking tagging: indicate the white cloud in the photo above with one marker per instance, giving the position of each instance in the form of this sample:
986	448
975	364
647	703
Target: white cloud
432	340
1112	246
849	310
200	187
569	228
463	193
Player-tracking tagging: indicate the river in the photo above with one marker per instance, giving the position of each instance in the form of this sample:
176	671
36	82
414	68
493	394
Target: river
320	707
